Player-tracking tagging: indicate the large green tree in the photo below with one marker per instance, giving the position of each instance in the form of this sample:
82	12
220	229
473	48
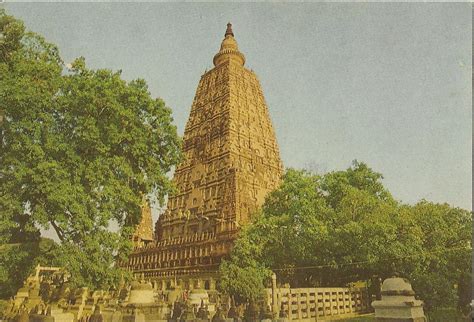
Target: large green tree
345	226
79	151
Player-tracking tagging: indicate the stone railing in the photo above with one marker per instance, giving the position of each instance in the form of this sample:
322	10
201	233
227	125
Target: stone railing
310	303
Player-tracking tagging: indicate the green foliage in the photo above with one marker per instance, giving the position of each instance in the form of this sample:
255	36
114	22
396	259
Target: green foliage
447	314
344	226
465	292
18	260
242	276
80	149
444	264
244	283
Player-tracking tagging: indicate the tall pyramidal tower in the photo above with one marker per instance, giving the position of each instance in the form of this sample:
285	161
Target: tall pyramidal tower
231	162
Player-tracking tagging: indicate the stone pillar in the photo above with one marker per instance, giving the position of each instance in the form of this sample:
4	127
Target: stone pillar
331	302
298	305
290	311
275	306
308	308
351	296
344	301
323	299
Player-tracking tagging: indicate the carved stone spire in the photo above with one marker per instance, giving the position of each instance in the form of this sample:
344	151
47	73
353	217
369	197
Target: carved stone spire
231	163
144	230
232	157
229	49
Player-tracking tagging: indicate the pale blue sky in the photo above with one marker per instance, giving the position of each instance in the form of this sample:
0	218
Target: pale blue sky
388	84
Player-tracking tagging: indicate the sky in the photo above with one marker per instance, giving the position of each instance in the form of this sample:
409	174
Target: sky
388	84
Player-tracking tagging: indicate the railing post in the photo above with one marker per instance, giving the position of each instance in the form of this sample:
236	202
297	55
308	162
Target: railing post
350	300
308	308
344	292
323	298
275	307
289	300
298	305
332	301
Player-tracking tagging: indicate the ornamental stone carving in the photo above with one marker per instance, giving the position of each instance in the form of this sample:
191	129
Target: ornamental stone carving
231	162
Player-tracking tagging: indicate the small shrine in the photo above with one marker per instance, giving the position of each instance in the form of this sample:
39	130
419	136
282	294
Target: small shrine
398	303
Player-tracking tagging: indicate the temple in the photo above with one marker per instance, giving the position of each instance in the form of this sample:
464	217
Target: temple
231	162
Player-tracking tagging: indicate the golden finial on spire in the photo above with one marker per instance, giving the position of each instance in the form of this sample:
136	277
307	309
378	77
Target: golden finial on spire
229	49
229	30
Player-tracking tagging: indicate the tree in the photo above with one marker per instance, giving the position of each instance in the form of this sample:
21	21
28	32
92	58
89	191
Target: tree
242	276
443	275
345	226
245	284
80	149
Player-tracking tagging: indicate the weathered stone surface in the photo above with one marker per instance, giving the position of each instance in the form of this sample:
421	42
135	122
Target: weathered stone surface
141	293
152	304
53	314
398	303
231	162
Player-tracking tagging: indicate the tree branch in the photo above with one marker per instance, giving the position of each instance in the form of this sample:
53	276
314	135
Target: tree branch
58	230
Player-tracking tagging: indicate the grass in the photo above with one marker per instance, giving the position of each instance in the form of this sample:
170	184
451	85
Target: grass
367	318
447	314
436	315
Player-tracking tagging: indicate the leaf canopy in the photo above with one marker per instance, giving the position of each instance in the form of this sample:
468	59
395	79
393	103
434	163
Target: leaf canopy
80	149
344	226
